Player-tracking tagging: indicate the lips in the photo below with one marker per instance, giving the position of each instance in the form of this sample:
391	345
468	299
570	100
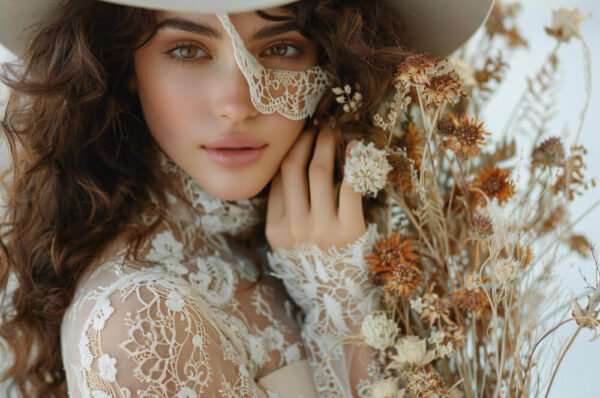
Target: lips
236	141
235	157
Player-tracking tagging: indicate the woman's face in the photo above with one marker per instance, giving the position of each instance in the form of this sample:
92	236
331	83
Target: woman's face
192	93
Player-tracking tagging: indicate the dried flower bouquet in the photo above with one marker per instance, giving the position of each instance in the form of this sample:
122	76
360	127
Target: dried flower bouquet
473	231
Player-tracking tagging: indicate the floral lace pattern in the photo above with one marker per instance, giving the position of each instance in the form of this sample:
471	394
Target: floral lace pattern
293	94
201	323
334	291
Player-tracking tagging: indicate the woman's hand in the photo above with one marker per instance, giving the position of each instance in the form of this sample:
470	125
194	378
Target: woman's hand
301	211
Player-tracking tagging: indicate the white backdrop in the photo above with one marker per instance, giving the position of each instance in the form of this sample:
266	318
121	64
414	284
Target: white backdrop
578	376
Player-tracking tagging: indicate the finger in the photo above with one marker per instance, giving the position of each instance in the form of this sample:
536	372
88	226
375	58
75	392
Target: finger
351	208
320	172
275	202
294	180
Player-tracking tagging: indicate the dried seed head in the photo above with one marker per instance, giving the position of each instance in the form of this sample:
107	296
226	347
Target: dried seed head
549	153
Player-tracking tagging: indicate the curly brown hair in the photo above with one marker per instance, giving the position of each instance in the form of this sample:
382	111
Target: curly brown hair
84	165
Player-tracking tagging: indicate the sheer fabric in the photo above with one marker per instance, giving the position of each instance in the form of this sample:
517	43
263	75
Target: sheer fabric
194	320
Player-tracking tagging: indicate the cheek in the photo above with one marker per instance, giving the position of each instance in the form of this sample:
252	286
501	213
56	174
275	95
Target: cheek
283	133
171	104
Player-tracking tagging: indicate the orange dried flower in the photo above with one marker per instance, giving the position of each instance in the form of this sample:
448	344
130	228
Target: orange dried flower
395	262
444	88
474	300
580	244
412	142
495	183
514	37
401	173
463	135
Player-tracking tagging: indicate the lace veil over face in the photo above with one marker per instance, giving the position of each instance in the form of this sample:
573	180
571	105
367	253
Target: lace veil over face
293	94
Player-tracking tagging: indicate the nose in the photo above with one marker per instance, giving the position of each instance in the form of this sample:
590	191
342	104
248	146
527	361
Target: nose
232	98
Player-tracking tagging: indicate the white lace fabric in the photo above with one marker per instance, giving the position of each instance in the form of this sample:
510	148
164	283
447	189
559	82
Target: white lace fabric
334	290
293	94
199	322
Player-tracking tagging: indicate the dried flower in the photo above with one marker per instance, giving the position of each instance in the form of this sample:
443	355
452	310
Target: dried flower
572	178
549	153
580	244
412	142
432	308
506	270
387	388
395	262
436	337
463	135
402	99
464	69
472	281
588	317
412	350
378	331
495	183
566	24
415	69
444	88
402	170
344	96
470	300
418	305
367	169
444	350
426	382
481	227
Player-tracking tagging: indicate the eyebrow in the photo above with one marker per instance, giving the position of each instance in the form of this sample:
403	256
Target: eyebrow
205	30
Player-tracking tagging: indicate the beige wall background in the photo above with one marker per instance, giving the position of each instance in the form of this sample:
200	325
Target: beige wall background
579	373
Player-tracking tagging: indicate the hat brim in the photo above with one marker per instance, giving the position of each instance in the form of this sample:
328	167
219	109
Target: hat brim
433	26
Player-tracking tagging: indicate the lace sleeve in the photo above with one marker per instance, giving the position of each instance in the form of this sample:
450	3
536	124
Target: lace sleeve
334	290
149	337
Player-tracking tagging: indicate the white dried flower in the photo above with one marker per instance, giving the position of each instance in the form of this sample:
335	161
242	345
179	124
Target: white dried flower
344	96
401	100
506	270
413	350
436	337
588	317
367	168
387	388
566	23
378	331
418	305
444	350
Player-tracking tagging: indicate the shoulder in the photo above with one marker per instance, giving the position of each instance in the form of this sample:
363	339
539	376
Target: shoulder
141	330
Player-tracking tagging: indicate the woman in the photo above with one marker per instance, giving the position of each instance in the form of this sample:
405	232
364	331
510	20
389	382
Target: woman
149	260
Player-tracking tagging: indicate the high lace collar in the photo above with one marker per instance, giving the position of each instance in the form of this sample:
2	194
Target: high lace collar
215	215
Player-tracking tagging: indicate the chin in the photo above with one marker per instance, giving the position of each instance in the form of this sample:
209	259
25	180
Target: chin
235	191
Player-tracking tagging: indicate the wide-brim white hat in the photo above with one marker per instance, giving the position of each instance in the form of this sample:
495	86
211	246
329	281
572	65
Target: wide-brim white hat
435	26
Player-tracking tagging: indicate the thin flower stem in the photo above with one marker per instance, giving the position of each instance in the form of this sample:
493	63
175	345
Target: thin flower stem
562	356
537	343
587	72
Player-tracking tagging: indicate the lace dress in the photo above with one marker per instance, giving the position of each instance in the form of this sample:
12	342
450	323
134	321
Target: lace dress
195	320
